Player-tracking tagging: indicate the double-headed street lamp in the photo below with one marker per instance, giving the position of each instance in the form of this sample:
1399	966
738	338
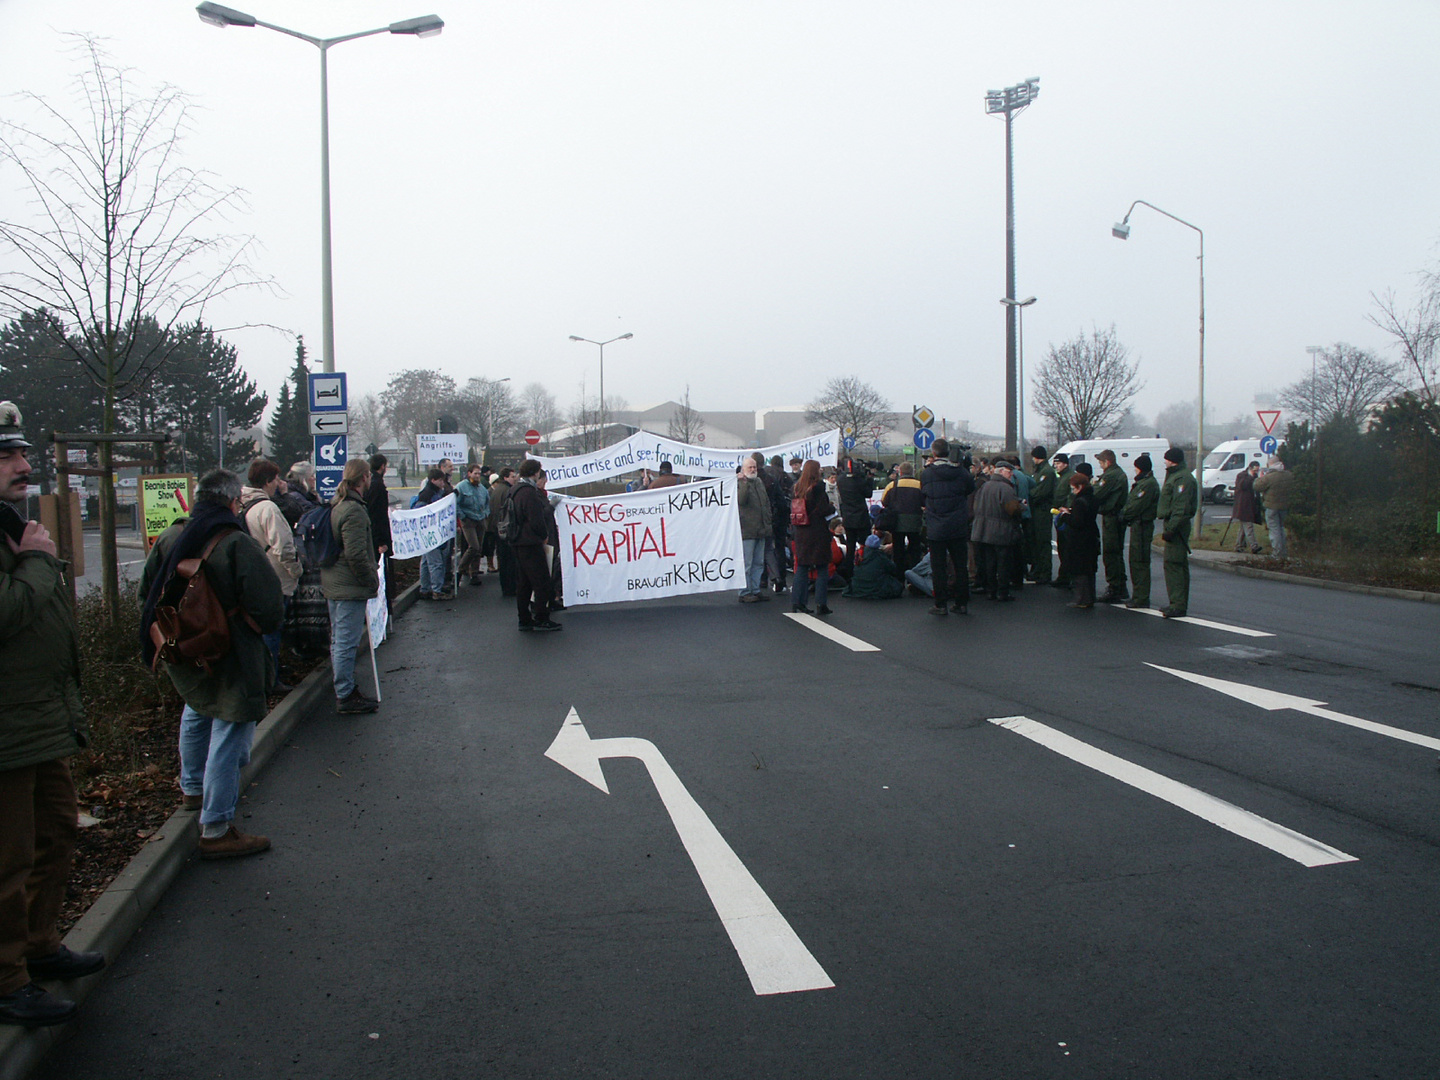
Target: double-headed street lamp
424	26
1019	306
1008	102
602	344
1121	231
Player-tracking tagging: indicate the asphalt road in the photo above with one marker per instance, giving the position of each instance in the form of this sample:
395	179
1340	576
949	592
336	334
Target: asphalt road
443	900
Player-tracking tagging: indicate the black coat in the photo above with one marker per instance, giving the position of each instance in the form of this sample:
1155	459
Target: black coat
855	488
377	505
537	519
1082	532
945	490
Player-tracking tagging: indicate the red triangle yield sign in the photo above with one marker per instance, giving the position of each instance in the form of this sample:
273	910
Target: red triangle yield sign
1268	418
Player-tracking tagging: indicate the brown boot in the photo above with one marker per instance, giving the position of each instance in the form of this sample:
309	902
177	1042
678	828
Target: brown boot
233	845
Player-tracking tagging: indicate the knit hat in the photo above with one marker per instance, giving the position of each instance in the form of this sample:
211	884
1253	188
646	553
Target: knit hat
1175	455
1062	458
1084	469
872	541
1143	463
11	437
1038	453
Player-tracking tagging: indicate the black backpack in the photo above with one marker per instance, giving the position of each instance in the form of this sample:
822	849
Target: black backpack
508	527
315	538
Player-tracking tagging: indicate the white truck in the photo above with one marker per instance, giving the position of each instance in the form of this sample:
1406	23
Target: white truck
1223	464
1126	451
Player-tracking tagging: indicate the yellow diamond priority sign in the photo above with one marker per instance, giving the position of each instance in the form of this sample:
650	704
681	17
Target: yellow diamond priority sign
923	417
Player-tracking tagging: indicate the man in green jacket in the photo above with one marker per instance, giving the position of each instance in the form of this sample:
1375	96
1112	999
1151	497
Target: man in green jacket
1110	490
222	704
1176	512
350	584
41	725
1042	497
1139	515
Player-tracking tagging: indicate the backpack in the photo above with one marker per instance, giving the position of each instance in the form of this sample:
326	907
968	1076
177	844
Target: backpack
316	540
798	514
414	500
193	628
509	525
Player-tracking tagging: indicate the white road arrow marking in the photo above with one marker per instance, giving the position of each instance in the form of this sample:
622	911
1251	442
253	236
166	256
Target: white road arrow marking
1228	816
775	958
1273	700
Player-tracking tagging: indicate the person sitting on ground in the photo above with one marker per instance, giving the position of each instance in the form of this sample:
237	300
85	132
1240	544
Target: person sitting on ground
874	576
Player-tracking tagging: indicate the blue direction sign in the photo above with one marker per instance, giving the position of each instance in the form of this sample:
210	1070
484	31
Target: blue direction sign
849	442
328	392
877	445
331	453
924	438
1269	444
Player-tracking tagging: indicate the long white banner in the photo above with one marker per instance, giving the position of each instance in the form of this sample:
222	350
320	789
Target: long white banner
645	450
671	541
414	532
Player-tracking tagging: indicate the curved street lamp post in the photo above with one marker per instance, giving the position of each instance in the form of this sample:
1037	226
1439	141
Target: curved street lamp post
602	344
1121	231
424	26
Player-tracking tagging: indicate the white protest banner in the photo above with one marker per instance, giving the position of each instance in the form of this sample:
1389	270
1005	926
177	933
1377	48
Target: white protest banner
645	450
414	532
430	449
377	611
671	541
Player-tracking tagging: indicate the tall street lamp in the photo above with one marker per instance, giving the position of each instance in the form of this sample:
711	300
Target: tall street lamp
494	400
1019	306
1121	231
602	344
1009	102
424	26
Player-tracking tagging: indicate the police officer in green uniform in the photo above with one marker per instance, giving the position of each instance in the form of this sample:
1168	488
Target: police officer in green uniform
1042	496
1110	490
1139	515
1176	511
1060	499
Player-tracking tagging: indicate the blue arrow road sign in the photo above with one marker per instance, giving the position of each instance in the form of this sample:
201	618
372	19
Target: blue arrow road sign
924	438
1269	444
849	442
328	392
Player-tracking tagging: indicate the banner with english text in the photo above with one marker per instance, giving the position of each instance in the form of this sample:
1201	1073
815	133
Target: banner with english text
645	545
414	532
646	450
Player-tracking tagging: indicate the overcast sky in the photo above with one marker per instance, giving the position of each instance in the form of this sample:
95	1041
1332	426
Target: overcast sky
767	194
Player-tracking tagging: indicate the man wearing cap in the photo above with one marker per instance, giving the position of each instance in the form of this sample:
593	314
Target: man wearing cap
1139	515
1042	496
1110	491
1176	511
41	725
1060	500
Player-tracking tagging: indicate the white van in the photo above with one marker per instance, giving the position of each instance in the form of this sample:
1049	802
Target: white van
1225	463
1126	451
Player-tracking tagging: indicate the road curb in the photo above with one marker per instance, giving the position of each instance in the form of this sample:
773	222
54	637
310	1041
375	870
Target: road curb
120	910
1319	583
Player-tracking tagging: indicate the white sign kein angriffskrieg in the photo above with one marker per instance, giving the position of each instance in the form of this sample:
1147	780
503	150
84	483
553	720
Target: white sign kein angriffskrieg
672	541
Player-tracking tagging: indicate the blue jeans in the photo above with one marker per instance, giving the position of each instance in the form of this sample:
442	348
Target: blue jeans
1275	524
212	753
800	586
754	565
432	570
347	631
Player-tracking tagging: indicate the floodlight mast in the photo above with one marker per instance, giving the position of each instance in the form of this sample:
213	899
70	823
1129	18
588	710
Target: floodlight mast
1009	102
423	27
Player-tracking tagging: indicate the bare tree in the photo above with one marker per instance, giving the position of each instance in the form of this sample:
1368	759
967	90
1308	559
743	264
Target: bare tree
847	403
587	430
1084	386
367	422
686	425
538	409
415	399
1416	331
1346	383
1176	422
487	410
120	232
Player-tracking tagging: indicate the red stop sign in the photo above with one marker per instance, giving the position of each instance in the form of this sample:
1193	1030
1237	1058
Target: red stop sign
532	437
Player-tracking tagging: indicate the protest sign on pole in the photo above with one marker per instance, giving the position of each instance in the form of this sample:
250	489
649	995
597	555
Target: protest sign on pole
645	545
377	618
432	449
414	532
646	450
